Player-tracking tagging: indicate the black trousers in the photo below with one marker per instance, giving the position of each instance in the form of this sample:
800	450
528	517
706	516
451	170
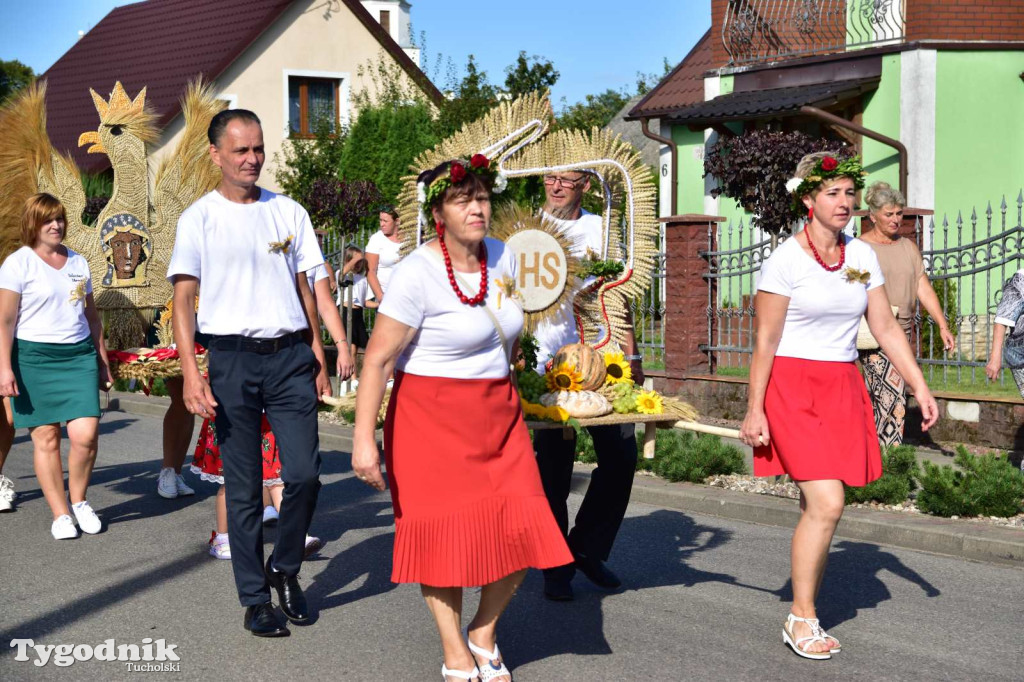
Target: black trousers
604	504
245	384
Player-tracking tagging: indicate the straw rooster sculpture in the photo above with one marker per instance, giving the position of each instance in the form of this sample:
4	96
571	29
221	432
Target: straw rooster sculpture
129	245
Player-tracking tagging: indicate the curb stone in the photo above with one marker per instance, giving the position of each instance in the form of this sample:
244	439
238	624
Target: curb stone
961	539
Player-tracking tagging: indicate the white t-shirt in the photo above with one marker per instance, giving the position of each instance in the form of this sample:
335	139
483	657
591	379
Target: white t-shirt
360	292
454	340
52	309
388	256
585	233
316	274
824	307
247	284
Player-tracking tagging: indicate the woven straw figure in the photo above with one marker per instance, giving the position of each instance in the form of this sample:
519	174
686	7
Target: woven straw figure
130	244
516	135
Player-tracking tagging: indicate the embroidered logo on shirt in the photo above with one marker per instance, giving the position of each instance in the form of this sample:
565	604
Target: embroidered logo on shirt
78	294
281	247
854	275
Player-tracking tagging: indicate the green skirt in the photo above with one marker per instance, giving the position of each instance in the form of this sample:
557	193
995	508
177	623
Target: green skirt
57	382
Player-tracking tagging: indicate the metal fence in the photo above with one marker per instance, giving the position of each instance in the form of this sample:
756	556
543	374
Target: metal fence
967	260
648	312
761	30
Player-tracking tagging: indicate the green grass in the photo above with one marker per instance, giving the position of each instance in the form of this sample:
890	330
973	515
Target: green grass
938	380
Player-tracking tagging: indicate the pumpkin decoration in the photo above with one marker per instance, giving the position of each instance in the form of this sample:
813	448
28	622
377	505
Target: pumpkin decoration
588	362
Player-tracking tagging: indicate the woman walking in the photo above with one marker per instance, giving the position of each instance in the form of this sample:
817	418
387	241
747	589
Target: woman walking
808	413
52	359
469	506
905	284
383	253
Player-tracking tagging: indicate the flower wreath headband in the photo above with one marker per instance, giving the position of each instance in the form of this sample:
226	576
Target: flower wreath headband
433	183
827	168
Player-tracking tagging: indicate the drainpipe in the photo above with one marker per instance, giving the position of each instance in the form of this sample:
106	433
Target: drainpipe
673	161
878	137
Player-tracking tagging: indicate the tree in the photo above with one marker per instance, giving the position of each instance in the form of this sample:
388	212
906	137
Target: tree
595	110
302	161
471	98
753	168
13	77
383	142
529	74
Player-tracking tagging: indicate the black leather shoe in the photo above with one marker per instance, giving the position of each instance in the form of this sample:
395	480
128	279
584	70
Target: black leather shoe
558	583
262	621
293	601
597	572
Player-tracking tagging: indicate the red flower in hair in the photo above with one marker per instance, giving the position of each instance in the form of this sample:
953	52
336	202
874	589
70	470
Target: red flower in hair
829	164
457	173
479	161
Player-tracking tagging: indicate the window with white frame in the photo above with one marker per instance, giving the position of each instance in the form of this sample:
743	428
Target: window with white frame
313	101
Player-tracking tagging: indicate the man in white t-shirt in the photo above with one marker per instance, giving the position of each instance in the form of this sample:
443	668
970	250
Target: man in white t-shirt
604	504
250	249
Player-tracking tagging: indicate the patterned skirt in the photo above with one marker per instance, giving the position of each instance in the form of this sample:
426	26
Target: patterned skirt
888	396
206	462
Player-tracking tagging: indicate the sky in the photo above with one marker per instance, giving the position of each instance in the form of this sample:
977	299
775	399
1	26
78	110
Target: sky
595	45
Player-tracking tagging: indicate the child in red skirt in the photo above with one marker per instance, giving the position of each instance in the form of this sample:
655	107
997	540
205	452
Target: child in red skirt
206	464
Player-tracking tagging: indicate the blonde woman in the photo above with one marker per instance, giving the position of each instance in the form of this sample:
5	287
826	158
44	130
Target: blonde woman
905	284
808	413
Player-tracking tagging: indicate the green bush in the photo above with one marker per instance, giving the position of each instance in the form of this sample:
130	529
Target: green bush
931	340
986	485
899	469
125	385
685	456
585	447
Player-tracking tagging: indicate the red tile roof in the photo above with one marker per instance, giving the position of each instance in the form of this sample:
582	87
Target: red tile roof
162	44
682	87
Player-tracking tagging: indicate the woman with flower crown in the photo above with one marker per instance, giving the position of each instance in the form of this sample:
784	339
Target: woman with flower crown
808	412
469	506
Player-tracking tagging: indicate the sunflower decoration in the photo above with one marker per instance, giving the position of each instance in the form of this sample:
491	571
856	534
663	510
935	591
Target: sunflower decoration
564	377
619	371
649	402
556	413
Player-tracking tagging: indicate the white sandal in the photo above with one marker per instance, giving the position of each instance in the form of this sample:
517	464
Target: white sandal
490	671
798	645
459	674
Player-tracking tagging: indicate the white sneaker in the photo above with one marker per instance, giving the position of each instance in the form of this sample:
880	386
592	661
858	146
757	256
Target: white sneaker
270	514
167	483
63	528
219	547
87	519
179	484
313	545
7	494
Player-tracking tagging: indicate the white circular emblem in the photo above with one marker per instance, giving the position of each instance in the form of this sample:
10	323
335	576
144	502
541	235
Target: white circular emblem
543	269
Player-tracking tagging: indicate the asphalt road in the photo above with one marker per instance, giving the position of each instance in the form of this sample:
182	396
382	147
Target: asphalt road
705	597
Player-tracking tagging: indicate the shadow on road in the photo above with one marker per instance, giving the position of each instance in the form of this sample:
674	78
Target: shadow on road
651	551
851	581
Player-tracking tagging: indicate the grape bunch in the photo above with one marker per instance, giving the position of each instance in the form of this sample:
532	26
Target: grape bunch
531	385
622	397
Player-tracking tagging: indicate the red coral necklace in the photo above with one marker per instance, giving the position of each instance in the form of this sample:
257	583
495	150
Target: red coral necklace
482	294
814	252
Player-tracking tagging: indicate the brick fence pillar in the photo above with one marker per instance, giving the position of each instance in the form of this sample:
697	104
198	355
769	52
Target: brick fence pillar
687	325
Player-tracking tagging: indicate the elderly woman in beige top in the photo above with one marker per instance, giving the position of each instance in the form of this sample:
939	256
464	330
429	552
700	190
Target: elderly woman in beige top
905	284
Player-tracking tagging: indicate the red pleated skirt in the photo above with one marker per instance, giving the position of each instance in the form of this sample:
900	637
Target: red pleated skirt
469	505
821	424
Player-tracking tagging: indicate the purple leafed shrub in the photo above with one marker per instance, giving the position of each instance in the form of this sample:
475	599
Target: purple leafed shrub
753	168
341	205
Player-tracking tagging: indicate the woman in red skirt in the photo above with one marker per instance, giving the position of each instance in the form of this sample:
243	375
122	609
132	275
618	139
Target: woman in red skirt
469	506
808	412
